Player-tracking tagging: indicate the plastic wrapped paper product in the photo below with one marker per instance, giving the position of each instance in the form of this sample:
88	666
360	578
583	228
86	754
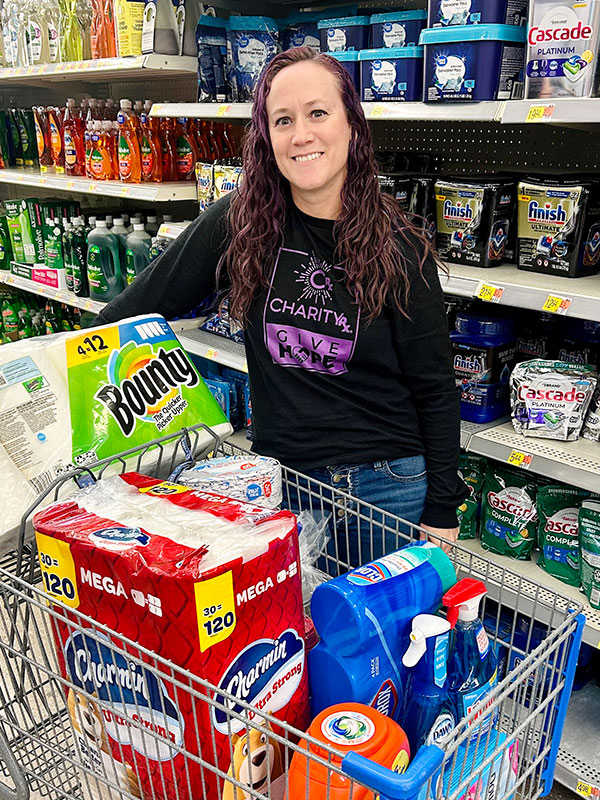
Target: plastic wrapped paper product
252	479
549	399
201	580
72	399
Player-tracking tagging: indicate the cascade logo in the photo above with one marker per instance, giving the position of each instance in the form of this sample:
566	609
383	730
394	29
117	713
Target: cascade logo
546	213
513	501
386	699
265	675
558	29
564	522
141	383
137	700
458	211
554	393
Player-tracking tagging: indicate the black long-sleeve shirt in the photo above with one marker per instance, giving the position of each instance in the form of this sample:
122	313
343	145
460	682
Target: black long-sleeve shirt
327	388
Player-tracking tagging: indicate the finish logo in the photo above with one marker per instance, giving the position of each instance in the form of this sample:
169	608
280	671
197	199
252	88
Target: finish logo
546	213
458	211
143	384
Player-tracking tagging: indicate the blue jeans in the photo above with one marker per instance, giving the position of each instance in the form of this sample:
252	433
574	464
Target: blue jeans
359	533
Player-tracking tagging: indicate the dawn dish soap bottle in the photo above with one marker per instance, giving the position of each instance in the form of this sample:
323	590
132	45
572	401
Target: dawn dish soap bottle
428	714
473	666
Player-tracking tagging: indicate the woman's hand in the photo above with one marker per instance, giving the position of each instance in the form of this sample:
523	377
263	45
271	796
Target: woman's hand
434	534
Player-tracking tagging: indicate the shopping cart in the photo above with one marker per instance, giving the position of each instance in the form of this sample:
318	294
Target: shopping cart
525	711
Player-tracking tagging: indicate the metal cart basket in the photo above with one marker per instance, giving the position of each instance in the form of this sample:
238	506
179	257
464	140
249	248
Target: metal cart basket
39	756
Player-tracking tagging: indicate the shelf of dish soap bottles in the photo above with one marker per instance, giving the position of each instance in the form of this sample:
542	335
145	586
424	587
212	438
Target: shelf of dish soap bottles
60	295
151	192
144	67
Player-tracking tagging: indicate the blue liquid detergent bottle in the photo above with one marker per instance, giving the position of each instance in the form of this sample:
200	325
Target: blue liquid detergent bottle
364	618
427	715
473	666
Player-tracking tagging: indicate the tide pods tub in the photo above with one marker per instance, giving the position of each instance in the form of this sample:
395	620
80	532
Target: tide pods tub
469	63
398	29
344	33
391	73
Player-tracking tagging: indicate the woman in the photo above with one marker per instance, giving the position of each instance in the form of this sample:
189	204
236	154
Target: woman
347	344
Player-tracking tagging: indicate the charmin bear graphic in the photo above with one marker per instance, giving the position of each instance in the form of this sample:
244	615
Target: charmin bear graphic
256	762
316	328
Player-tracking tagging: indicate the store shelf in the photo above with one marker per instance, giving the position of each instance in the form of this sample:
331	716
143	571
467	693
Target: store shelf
531	589
578	765
131	68
151	192
556	111
215	348
473	112
526	289
61	295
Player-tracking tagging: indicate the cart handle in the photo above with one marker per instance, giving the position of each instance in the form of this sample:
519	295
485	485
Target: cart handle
390	785
21	790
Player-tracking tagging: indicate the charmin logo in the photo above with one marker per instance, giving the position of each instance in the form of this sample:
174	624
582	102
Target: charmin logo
551	394
386	699
546	213
137	699
118	538
458	211
513	501
142	384
559	31
265	675
564	522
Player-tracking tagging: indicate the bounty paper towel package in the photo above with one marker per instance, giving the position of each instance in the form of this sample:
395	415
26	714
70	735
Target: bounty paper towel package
74	398
203	581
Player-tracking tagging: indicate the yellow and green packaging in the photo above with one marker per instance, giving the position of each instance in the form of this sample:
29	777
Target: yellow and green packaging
558	531
508	512
589	550
24	219
129	20
471	468
6	253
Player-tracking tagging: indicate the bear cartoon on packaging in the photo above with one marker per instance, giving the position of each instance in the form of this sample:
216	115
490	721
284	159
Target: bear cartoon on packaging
256	759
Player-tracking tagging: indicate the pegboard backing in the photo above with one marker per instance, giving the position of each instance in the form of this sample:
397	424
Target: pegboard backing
475	147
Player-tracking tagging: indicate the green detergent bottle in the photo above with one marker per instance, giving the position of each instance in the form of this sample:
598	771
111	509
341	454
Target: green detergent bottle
10	318
13	116
54	247
137	253
6	253
103	265
26	124
67	249
79	248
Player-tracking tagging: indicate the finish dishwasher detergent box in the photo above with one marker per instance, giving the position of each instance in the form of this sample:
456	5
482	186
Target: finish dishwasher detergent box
198	582
74	398
562	49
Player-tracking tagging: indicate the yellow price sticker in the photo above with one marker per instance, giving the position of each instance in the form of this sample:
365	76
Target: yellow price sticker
555	304
91	347
518	459
88	305
58	569
585	789
212	354
69	185
215	608
164	489
540	113
245	366
377	111
489	292
223	110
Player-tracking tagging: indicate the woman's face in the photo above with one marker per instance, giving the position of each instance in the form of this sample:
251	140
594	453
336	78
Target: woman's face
309	129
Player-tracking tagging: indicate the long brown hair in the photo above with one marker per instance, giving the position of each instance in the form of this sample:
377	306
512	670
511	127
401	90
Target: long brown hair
367	231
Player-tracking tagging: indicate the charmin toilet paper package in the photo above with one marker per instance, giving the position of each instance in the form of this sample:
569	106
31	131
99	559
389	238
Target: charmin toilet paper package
253	479
74	398
204	581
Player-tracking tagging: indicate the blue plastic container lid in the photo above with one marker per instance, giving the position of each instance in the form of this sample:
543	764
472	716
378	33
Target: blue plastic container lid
347	55
213	22
398	16
474	33
343	22
253	24
391	52
483	325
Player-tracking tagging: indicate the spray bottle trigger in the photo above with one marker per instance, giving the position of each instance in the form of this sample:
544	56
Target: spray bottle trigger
416	649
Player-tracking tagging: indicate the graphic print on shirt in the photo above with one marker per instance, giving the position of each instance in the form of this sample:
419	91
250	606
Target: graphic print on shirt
310	321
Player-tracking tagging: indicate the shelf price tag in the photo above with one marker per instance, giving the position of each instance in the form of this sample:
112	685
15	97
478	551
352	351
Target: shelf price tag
540	113
587	789
489	292
215	608
245	366
377	111
212	354
518	459
223	110
555	304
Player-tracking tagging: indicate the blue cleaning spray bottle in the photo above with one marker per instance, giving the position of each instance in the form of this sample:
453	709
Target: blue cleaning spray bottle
428	715
363	619
473	667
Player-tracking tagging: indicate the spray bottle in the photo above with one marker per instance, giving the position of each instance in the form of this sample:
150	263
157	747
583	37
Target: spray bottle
428	715
473	667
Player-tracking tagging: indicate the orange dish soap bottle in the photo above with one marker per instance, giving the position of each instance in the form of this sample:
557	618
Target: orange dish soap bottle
42	135
130	159
187	150
73	140
169	149
151	148
101	165
56	142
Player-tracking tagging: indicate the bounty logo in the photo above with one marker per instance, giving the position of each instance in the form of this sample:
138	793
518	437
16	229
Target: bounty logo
143	384
458	210
265	675
118	538
139	710
546	213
